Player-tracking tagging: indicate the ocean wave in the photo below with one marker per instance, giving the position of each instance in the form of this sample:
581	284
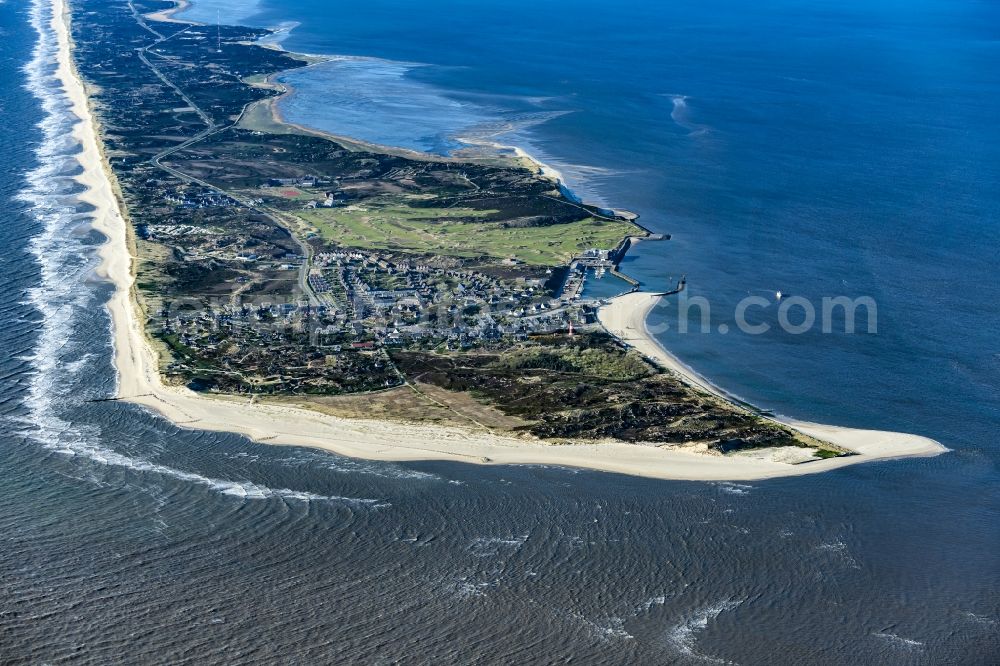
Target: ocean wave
279	33
982	620
66	260
343	465
611	628
681	115
462	588
734	488
241	489
648	604
684	635
77	441
62	261
898	641
839	550
494	546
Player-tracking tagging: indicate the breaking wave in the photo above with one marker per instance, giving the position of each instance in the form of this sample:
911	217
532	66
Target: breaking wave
684	635
241	489
63	249
733	488
681	115
899	641
496	546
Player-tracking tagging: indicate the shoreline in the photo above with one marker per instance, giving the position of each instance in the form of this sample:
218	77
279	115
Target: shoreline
625	317
167	15
139	381
501	152
545	170
499	149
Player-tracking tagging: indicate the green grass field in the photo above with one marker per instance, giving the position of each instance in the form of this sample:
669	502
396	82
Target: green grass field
395	226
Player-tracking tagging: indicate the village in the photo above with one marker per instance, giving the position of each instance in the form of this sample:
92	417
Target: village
367	301
284	264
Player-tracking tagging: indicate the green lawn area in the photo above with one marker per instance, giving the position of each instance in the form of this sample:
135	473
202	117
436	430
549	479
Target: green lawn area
395	226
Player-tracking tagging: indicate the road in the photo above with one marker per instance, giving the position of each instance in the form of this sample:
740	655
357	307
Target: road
212	128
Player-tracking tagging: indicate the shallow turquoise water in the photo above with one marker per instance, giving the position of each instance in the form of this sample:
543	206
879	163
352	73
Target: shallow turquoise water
844	149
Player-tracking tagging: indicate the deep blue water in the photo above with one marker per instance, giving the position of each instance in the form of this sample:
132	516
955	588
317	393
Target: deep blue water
836	149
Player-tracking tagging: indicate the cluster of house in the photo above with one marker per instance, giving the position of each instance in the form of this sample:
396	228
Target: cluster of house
194	196
370	299
400	301
274	343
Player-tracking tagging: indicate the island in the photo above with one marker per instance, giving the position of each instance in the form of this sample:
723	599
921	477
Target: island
308	289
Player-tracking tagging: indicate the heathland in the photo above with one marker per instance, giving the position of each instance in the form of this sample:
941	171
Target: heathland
281	277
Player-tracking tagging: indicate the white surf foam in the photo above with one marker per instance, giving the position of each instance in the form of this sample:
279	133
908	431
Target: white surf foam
241	489
66	264
899	641
494	546
684	635
63	262
650	603
839	550
734	488
681	115
342	465
280	33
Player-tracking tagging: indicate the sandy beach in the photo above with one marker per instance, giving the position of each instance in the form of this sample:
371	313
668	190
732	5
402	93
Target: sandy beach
167	15
625	317
139	380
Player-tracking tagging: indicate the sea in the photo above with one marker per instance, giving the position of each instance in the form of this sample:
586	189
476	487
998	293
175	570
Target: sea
821	149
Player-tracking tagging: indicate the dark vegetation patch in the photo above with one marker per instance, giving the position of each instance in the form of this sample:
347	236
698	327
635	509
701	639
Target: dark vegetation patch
592	388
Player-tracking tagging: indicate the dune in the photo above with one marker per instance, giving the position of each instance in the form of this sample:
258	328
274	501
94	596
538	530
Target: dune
139	379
